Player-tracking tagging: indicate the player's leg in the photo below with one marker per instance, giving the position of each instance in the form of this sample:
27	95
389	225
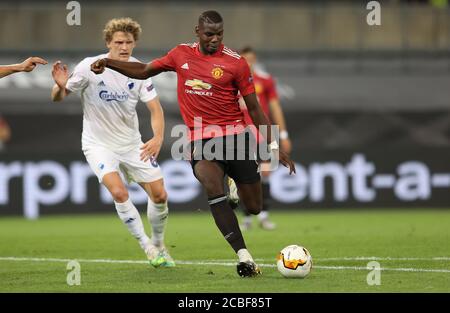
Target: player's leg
157	213
157	209
105	165
263	217
247	220
125	208
211	174
234	200
251	196
244	174
149	176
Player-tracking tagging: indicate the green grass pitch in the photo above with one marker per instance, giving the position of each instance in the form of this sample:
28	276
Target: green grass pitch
412	247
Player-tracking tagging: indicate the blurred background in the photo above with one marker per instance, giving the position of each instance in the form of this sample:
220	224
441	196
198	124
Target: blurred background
367	106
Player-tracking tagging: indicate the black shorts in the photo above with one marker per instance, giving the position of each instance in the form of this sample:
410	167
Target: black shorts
238	161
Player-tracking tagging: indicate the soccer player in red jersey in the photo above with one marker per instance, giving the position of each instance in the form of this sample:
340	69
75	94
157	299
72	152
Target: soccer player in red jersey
267	95
210	76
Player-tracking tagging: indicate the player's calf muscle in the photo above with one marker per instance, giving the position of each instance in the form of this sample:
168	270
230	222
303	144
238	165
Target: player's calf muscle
251	197
254	208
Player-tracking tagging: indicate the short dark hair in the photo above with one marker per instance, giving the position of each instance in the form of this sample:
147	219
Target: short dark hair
210	17
246	49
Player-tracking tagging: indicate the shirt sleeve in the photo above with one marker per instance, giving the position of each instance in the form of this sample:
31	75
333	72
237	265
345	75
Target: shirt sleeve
271	89
78	79
244	79
167	62
148	91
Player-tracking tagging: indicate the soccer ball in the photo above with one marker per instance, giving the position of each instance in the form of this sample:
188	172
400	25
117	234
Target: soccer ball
294	261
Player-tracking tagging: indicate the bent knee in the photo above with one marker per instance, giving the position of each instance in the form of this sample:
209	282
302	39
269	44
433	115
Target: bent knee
160	197
119	194
212	186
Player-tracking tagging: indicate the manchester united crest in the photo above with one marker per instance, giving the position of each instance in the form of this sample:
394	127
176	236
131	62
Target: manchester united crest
258	88
217	72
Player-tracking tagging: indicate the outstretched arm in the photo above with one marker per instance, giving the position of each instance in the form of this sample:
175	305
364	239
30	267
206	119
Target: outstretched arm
26	66
135	70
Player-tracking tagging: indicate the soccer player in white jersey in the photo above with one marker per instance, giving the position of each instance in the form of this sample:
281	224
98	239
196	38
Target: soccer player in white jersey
111	140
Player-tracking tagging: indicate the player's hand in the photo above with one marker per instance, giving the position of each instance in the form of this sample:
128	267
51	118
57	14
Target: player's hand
151	149
98	66
287	162
60	74
285	145
29	64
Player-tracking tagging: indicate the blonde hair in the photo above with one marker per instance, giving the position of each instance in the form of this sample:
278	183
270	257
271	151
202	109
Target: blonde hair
124	24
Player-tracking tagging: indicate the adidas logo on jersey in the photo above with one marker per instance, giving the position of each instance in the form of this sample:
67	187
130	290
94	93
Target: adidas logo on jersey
185	66
101	83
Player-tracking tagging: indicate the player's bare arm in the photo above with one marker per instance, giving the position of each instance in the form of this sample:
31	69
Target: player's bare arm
278	119
135	70
256	114
5	130
152	147
26	66
258	118
60	75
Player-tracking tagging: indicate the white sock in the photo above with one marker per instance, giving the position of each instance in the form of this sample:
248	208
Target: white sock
263	215
132	220
157	214
244	256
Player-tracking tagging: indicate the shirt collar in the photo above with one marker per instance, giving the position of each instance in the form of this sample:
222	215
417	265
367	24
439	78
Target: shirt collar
217	53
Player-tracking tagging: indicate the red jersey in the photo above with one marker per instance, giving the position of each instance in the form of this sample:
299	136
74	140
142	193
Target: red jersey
265	91
208	87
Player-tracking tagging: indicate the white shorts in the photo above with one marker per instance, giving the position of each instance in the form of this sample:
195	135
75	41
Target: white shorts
103	161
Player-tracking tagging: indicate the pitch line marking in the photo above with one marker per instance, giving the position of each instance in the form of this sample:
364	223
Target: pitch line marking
359	258
216	263
374	258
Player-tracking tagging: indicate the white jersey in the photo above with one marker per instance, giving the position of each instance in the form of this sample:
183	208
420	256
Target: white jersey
109	105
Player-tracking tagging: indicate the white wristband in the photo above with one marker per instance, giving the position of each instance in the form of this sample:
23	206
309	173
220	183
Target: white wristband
284	135
273	146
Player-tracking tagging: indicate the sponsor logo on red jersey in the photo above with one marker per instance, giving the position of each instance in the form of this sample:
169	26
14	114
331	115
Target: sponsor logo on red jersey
199	87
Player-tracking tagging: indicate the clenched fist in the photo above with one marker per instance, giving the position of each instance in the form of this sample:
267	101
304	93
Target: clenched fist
98	66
